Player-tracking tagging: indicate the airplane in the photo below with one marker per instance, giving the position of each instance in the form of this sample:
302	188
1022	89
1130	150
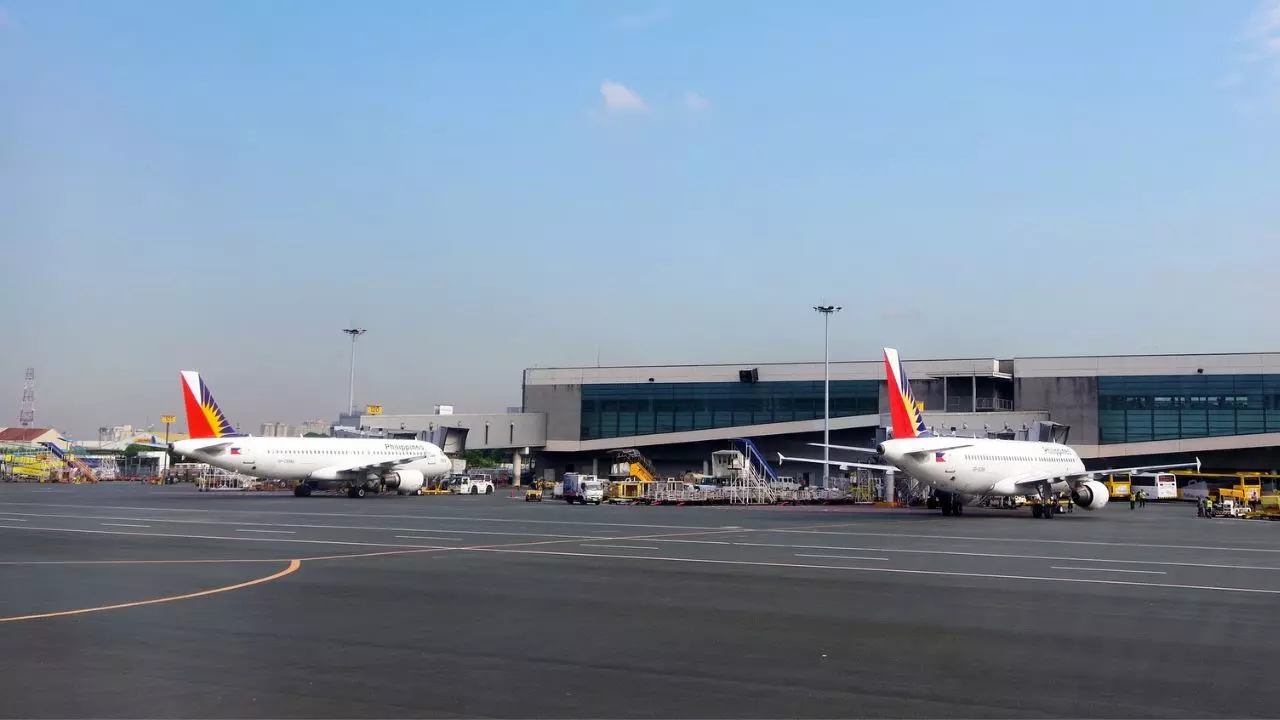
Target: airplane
358	465
957	467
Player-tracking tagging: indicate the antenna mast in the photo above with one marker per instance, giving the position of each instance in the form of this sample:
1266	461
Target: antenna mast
27	416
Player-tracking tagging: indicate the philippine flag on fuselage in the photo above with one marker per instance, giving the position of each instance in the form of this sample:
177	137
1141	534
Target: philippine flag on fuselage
235	451
938	457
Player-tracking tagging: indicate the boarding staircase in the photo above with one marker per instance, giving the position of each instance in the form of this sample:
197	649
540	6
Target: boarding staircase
85	473
749	479
637	465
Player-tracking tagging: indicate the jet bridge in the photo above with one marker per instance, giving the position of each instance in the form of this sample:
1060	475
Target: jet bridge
452	440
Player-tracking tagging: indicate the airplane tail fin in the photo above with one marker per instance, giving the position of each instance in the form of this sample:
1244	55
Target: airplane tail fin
906	413
204	418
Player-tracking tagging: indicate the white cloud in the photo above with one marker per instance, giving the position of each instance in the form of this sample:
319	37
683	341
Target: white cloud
696	102
620	98
1267	24
1263	33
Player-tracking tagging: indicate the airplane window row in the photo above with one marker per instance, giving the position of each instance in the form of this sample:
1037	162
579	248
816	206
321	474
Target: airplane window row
332	452
1014	458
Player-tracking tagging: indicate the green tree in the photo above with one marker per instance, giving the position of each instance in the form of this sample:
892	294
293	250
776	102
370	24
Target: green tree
481	459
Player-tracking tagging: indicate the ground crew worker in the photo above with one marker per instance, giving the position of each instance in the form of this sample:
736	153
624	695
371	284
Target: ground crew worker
1142	498
1133	499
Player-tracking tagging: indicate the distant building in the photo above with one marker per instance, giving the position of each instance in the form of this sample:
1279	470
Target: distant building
30	436
275	430
119	433
316	427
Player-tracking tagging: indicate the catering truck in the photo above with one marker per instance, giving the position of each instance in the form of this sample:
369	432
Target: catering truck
583	489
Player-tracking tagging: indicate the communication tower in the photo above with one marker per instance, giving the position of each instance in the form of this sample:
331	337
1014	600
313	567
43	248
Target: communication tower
27	416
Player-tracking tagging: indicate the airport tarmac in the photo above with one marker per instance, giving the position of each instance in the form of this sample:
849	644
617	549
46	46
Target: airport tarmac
142	601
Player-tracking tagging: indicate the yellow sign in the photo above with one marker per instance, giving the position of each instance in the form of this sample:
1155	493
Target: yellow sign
373	409
168	419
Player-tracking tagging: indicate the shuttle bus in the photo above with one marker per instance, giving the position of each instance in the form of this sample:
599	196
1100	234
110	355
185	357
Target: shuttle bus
1159	486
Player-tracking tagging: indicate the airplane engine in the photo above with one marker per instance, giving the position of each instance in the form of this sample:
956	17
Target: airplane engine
404	481
1090	495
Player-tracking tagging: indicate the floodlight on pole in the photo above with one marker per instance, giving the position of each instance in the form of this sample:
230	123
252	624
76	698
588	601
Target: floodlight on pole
354	332
827	311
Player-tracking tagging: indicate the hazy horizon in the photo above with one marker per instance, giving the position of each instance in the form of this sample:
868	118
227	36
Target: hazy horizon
488	187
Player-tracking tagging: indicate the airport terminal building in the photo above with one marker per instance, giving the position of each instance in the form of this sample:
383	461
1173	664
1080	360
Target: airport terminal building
1224	408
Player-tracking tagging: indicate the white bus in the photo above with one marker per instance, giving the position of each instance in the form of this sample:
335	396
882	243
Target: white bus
1159	486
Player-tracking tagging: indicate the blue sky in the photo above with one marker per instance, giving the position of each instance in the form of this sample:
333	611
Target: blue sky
489	186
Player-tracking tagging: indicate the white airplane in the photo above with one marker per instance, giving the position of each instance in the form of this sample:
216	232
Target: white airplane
356	464
957	467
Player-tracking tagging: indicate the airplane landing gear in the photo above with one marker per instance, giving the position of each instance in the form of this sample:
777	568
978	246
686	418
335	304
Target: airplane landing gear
952	503
355	492
303	490
1046	504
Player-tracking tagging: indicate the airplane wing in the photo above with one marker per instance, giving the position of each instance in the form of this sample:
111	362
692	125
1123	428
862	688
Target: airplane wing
1033	479
214	449
372	467
869	451
1147	468
837	463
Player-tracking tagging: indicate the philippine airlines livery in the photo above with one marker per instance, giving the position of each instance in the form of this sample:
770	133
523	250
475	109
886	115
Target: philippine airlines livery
358	465
958	467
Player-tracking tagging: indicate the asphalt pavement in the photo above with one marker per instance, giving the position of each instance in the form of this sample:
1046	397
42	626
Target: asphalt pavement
139	601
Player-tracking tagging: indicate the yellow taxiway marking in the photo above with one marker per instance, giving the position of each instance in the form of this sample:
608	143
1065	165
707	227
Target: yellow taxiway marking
293	567
143	562
296	563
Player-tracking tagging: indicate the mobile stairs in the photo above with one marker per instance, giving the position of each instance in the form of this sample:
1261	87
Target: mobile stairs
748	479
82	473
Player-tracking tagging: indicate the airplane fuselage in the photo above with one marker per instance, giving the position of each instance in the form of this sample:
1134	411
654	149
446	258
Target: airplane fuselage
984	466
314	459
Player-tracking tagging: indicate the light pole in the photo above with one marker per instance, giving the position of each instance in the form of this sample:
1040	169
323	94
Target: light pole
354	332
827	311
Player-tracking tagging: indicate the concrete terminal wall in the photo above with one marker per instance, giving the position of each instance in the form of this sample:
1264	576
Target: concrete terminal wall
1069	400
505	430
562	406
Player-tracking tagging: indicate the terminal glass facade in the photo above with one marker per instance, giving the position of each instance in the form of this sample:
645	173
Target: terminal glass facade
1145	408
621	410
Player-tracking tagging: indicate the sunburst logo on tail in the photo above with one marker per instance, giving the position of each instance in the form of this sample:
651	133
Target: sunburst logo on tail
204	418
907	414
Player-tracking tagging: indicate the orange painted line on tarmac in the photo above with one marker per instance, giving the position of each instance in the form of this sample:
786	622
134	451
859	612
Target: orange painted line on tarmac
143	562
296	563
293	567
353	556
